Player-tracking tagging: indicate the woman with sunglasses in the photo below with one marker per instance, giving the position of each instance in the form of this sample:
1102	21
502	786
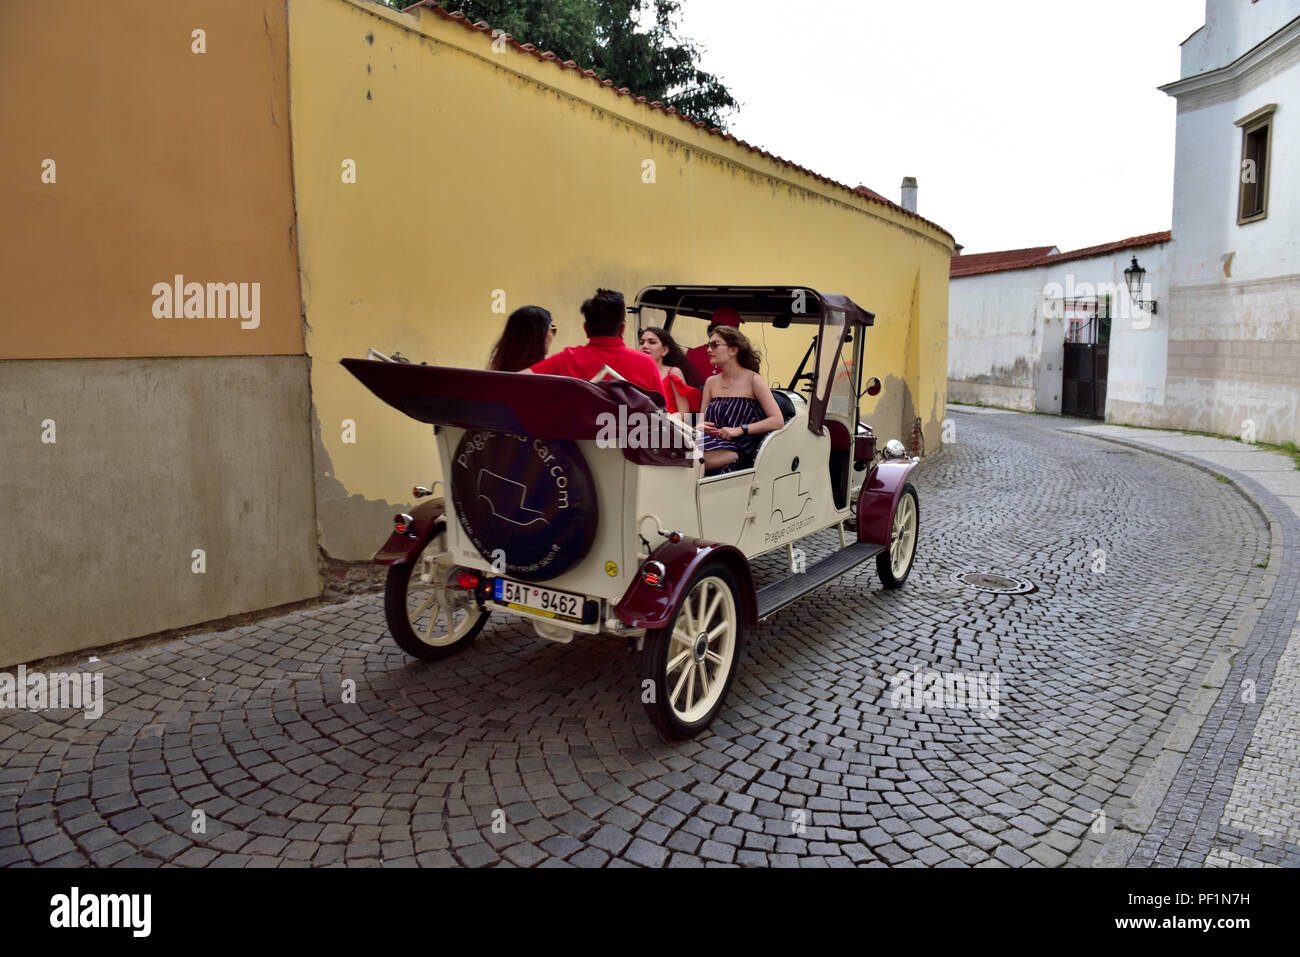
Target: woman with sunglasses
525	341
737	405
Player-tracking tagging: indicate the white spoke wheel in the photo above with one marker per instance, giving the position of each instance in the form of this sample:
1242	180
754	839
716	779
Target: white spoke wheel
692	661
428	617
895	563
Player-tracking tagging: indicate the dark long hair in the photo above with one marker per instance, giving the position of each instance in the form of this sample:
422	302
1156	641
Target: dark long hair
675	357
748	357
523	342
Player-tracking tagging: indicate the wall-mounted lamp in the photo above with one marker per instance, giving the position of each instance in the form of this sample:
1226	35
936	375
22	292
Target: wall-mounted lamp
1134	276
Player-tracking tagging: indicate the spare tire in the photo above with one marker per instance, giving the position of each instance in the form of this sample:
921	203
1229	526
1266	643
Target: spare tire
529	501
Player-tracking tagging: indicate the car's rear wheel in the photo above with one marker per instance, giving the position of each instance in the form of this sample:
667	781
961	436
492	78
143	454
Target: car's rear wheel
687	667
428	616
895	564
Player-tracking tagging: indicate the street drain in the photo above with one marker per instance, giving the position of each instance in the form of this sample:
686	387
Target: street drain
998	584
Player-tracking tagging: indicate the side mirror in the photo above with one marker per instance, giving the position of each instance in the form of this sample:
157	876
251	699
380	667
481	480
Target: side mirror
873	386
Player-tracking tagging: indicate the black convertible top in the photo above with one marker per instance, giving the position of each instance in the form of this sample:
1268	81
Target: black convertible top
779	305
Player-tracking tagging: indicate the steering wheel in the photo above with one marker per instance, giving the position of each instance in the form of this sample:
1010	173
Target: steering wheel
811	375
808	388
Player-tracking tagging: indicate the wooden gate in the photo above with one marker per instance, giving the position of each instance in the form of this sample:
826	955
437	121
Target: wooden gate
1083	385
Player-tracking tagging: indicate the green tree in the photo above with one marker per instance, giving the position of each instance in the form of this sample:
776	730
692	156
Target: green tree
606	36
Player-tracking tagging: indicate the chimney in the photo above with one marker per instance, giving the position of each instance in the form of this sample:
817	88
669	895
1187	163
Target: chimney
909	193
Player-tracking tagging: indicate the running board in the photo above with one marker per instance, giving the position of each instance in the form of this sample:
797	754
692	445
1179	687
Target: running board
772	598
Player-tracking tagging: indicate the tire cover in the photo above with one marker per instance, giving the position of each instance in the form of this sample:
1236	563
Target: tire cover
534	500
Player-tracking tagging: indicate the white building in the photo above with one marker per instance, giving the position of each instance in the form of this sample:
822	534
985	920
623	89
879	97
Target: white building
1011	313
1221	350
1234	317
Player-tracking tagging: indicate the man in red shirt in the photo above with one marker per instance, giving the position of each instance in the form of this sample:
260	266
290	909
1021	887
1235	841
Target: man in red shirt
605	316
699	356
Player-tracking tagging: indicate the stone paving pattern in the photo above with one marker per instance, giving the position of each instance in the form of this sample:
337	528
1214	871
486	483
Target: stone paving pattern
249	727
1264	794
1235	798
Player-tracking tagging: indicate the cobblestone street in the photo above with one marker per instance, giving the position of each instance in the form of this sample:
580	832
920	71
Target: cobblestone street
1225	789
520	752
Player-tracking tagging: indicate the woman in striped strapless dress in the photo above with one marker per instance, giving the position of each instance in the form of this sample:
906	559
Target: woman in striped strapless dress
737	404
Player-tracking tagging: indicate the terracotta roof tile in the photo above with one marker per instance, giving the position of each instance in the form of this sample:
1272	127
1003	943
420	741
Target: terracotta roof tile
977	264
1133	242
530	49
863	191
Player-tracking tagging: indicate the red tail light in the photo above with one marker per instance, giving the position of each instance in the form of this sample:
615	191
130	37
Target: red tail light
467	580
653	573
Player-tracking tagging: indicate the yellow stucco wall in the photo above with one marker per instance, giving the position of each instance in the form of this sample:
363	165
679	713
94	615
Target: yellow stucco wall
128	158
479	171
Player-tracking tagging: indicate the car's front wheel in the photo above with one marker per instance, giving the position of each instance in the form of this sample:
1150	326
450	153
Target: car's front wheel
429	617
686	668
894	564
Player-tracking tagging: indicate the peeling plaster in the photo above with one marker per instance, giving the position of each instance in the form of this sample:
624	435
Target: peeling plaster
350	527
892	417
1018	375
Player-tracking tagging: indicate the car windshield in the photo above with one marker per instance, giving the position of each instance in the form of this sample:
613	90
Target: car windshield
828	355
841	401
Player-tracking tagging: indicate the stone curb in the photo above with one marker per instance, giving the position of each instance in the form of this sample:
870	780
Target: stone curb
1146	800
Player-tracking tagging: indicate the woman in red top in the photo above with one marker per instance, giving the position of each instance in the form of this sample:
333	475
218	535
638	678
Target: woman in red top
672	364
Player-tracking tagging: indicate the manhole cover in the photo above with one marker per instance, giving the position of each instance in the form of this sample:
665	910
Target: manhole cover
999	584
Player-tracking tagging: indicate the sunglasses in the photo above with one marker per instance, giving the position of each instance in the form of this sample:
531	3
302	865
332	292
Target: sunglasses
714	345
554	330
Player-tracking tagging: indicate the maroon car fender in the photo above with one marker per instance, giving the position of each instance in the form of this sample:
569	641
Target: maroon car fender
647	606
402	548
878	499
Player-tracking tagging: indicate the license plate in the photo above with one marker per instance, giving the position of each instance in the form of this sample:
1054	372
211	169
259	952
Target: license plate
540	601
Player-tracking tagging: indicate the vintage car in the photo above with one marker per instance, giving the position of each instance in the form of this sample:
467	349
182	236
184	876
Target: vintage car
562	508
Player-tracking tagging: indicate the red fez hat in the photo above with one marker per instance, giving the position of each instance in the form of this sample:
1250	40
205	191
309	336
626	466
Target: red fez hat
726	316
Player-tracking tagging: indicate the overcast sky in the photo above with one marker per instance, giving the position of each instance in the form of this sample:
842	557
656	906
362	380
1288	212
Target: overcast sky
1026	122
